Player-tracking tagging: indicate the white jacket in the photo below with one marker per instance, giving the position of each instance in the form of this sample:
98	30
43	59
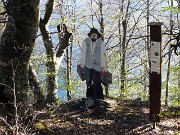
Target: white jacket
103	54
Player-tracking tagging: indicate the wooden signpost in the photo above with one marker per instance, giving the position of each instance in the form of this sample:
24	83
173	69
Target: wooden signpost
155	72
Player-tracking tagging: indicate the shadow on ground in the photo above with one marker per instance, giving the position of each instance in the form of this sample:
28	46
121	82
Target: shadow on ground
121	118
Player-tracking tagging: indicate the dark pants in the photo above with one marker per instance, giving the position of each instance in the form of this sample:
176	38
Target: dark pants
94	88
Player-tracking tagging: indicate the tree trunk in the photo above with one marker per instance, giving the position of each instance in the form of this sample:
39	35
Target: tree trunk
101	21
52	94
101	24
169	61
64	37
120	46
145	82
68	75
124	47
148	34
167	77
123	74
148	46
16	46
52	91
179	84
50	64
35	86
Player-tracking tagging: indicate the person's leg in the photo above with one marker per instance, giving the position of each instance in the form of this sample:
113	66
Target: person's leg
98	91
90	87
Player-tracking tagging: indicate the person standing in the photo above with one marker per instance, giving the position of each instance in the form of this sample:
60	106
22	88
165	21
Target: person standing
94	61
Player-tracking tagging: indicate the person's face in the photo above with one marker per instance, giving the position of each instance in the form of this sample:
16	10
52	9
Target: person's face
94	37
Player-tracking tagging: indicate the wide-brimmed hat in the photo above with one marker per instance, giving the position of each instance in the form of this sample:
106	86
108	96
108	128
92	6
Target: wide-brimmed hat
94	30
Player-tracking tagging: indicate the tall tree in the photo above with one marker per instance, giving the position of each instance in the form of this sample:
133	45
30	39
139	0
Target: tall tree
169	60
124	46
16	46
64	35
50	53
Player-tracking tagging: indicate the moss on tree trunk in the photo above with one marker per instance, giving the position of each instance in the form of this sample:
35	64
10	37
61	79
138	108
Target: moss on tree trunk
16	46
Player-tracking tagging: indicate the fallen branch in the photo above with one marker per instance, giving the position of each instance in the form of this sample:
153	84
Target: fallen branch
5	122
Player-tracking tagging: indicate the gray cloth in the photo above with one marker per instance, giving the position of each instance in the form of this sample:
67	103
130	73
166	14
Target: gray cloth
82	74
94	60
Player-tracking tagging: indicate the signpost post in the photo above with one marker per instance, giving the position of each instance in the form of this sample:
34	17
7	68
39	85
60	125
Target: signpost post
155	72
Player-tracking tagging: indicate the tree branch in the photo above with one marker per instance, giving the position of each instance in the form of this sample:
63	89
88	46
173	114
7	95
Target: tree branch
63	39
48	33
3	13
51	79
35	85
2	119
6	7
3	21
48	12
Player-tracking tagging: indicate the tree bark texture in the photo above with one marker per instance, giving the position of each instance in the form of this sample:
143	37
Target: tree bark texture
16	46
68	74
36	87
50	52
169	62
52	94
64	36
50	64
101	21
123	52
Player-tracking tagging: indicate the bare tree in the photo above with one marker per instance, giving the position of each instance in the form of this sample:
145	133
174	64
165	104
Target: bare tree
64	36
50	64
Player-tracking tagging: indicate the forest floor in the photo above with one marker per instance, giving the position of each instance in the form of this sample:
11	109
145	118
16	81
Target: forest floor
127	117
